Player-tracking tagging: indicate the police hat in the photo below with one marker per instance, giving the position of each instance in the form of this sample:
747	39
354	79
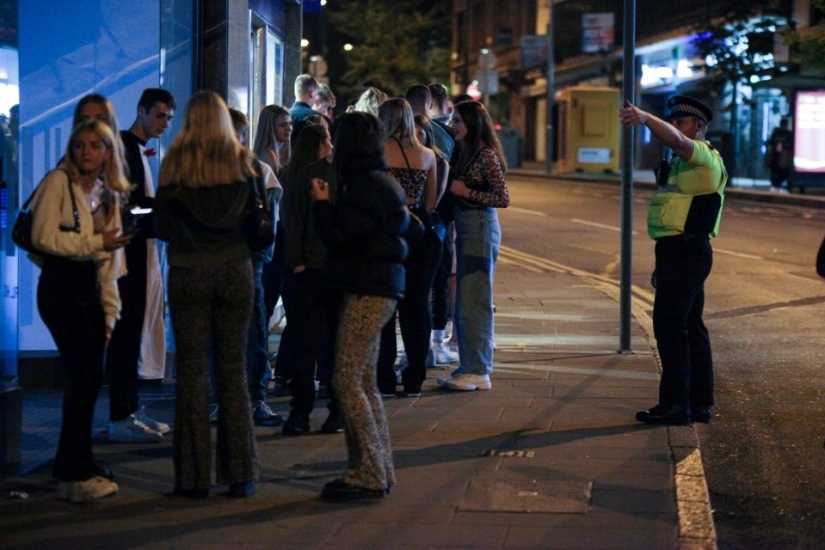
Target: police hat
682	105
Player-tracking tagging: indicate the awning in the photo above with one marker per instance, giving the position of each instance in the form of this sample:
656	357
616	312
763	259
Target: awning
791	81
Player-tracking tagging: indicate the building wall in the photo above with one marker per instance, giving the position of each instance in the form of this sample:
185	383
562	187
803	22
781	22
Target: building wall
117	48
662	33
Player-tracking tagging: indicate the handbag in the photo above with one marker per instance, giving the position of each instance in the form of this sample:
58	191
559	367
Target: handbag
21	234
259	223
820	260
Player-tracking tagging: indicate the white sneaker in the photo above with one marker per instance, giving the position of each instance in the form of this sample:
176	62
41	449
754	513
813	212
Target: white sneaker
469	382
443	354
85	491
154	425
455	374
132	430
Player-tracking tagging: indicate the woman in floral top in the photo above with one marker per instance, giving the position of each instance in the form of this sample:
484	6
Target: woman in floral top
479	189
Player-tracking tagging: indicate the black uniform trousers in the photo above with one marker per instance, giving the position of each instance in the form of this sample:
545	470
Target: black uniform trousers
682	265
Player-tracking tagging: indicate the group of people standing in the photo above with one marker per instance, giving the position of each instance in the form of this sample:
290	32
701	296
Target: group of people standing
345	259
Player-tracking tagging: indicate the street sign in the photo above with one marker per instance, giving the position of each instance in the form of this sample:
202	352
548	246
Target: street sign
533	51
486	59
487	82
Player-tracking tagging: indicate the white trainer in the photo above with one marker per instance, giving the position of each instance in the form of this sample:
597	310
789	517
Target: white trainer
85	491
443	354
469	382
455	374
132	430
155	425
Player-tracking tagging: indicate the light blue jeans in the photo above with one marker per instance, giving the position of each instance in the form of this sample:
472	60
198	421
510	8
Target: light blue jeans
478	238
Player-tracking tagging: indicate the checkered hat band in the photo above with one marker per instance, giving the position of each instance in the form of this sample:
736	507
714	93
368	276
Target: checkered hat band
689	109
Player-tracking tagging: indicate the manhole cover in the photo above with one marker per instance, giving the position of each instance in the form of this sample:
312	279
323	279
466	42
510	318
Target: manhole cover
550	497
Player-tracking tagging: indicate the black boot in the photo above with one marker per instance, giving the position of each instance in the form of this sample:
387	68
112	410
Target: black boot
672	415
296	424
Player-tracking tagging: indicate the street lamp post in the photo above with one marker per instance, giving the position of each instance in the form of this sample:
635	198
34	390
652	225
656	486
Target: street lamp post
551	84
628	93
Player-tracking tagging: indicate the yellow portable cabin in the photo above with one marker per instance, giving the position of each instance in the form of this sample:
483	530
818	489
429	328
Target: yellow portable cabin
589	135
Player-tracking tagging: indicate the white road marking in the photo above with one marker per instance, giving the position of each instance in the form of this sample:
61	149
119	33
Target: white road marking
739	254
525	211
600	225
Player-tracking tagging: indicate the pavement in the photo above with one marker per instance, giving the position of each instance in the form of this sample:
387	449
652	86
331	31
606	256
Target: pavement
550	458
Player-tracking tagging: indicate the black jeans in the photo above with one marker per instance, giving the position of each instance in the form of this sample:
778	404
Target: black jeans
682	265
258	372
312	318
414	317
441	282
69	304
123	353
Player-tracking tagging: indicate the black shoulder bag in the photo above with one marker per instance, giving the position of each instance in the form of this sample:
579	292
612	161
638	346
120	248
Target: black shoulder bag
259	222
22	232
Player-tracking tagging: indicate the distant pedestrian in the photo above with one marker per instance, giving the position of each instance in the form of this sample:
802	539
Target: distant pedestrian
683	217
779	156
363	234
479	188
77	228
199	208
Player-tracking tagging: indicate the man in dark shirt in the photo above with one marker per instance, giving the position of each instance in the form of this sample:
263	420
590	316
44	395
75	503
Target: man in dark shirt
141	290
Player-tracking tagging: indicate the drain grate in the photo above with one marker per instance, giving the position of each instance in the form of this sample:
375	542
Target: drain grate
509	454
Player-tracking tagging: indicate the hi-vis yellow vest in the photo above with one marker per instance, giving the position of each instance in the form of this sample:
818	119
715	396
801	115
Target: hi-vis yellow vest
691	203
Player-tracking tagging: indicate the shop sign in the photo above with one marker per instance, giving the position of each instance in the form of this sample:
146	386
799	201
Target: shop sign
598	34
594	155
533	50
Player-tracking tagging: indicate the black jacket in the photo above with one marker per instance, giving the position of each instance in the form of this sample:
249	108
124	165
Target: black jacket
202	225
363	235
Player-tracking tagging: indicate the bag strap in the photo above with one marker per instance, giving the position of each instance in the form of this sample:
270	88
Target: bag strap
398	141
75	213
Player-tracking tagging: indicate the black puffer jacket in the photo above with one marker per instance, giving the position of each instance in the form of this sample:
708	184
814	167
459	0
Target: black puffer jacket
363	235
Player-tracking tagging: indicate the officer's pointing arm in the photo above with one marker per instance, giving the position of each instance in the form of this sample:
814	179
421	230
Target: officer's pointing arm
681	145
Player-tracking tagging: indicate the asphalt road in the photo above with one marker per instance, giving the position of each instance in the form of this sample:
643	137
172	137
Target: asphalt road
763	454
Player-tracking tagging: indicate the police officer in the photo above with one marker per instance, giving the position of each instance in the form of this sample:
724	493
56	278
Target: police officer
683	216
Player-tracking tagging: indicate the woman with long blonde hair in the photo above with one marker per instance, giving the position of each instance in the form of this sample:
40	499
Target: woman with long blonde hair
272	138
76	225
199	208
413	166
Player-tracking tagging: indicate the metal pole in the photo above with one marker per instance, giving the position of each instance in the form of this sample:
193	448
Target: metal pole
628	93
551	70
